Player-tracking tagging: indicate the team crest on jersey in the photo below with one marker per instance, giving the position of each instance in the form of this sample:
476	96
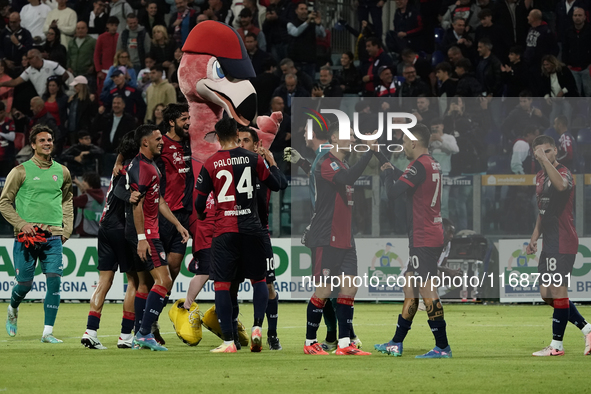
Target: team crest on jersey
412	171
163	255
326	272
177	158
54	178
334	166
127	93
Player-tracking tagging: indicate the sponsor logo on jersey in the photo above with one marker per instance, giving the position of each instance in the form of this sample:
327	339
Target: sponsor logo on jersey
199	179
326	272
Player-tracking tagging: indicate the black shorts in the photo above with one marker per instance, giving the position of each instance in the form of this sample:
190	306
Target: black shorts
238	256
329	261
172	240
114	251
556	263
269	260
423	261
156	258
201	262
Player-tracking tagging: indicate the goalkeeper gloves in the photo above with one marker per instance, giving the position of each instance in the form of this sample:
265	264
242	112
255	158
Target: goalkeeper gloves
291	155
32	242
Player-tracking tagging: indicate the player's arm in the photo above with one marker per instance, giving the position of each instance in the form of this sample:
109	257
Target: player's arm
532	248
294	157
165	211
125	194
395	186
348	176
204	186
560	183
67	205
143	248
268	156
14	181
385	164
269	176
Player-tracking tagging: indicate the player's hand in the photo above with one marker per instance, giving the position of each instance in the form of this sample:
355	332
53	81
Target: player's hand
117	168
135	197
143	250
183	232
532	247
539	154
14	40
268	156
291	155
385	166
64	239
28	229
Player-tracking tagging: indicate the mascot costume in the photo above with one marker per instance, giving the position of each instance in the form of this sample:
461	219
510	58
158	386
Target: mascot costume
213	76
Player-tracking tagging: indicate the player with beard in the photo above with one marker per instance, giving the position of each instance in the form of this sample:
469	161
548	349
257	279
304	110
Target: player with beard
331	240
249	139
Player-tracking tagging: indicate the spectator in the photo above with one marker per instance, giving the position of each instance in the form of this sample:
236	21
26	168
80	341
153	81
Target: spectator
361	38
152	18
64	19
304	28
442	146
134	103
512	16
89	204
174	78
287	66
122	63
265	84
557	82
83	156
467	86
182	23
162	48
56	101
488	71
365	8
386	87
81	52
53	49
290	89
521	116
104	51
497	35
43	117
247	27
6	94
349	76
81	107
522	158
120	9
283	138
377	59
33	18
540	41
446	86
457	36
567	149
258	12
160	91
112	126
7	136
256	55
423	111
327	85
135	41
97	19
157	118
38	72
423	67
413	86
219	11
463	10
143	78
576	51
275	29
454	54
515	74
408	28
16	40
564	15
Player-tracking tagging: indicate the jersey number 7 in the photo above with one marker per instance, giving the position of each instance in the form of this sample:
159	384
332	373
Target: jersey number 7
436	178
244	184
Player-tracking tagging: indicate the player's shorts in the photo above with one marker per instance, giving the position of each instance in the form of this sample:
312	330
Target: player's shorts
201	262
114	251
329	261
422	262
556	263
269	260
172	240
156	259
49	255
238	256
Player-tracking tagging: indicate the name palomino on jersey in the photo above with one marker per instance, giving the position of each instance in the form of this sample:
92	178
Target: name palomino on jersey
230	161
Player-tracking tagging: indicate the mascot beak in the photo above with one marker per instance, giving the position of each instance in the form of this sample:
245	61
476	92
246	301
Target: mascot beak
237	97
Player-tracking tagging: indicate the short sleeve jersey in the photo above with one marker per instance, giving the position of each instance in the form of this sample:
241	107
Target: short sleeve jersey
144	176
425	228
231	175
176	184
556	212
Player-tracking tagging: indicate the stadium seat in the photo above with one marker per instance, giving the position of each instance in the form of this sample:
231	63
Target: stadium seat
551	132
499	164
436	58
584	137
19	141
439	32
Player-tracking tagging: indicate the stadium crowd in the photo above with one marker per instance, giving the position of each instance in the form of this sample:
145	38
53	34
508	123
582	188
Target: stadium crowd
94	70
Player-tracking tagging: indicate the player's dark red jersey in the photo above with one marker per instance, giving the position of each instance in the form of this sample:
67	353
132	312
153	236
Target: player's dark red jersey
144	176
176	184
333	212
203	233
231	175
425	228
113	217
556	212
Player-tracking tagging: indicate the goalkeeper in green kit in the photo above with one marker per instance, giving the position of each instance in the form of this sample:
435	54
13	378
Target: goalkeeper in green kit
37	201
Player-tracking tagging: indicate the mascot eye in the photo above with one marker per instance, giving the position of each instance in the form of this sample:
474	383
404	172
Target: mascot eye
217	71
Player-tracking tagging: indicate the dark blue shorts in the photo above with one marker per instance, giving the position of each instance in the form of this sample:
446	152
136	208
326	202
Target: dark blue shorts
172	241
238	256
201	262
114	251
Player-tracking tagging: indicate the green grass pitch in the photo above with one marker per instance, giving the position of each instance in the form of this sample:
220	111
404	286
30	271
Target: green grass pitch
491	345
